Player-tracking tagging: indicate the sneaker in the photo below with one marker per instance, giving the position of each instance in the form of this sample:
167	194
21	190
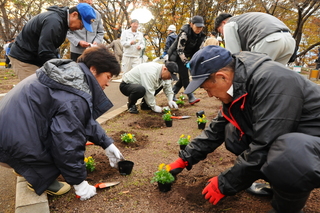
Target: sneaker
133	109
56	188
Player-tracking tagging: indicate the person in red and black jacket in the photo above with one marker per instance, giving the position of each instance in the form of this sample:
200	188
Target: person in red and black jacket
270	118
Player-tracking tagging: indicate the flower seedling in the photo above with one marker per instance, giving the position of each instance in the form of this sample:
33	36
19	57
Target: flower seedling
202	119
128	138
90	164
167	117
181	100
163	175
184	140
166	110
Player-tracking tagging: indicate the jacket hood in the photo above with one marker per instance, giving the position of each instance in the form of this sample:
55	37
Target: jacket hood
246	64
64	74
60	10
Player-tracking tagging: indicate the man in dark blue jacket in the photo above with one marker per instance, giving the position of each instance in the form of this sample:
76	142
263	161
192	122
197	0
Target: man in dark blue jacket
44	33
270	118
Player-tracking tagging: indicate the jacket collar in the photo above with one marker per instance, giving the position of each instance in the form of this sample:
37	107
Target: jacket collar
101	102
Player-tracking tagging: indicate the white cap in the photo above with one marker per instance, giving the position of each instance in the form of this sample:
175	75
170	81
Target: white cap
172	28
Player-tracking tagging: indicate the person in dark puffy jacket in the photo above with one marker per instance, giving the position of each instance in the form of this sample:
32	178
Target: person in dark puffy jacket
44	33
48	117
189	41
270	118
172	35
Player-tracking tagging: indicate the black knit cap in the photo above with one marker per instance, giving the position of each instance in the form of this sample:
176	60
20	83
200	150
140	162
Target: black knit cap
221	17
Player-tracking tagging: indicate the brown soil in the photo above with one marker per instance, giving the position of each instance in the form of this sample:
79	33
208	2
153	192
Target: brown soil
8	79
157	144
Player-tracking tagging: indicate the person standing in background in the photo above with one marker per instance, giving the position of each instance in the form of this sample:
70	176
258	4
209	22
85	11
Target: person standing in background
172	35
144	58
181	51
82	39
132	42
117	48
212	40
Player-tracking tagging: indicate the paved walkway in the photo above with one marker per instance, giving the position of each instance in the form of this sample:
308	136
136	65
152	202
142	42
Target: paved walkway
14	195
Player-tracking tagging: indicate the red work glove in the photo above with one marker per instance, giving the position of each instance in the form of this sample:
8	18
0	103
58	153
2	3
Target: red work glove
211	192
177	166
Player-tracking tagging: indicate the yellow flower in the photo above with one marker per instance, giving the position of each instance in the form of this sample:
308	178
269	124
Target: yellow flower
89	158
86	160
130	136
189	137
161	166
182	136
168	168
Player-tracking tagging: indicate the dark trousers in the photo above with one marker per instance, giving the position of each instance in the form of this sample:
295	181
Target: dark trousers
183	76
74	56
132	91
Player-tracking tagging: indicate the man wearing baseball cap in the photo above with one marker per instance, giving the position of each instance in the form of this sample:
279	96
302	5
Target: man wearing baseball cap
44	33
145	81
270	119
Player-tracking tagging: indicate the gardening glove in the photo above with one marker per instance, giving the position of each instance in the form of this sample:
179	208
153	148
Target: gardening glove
84	190
212	192
173	104
114	155
157	109
187	65
177	166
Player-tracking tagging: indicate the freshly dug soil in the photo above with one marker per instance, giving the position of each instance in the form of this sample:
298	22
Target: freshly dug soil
157	144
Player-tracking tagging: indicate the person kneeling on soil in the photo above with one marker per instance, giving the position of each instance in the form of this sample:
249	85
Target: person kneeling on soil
48	117
270	123
147	80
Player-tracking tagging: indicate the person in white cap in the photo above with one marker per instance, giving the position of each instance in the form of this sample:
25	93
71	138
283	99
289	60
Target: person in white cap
172	35
44	33
270	118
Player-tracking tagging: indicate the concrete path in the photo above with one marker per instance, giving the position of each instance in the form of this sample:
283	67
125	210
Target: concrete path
14	195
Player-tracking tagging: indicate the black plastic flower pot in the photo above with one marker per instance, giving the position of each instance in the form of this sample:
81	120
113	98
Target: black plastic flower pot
182	147
168	123
201	125
125	167
164	187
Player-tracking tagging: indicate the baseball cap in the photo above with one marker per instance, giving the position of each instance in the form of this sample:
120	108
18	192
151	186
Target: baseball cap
173	69
198	21
221	17
205	62
87	15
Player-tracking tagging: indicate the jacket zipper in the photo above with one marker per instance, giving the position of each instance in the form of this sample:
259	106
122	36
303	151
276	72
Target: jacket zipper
231	118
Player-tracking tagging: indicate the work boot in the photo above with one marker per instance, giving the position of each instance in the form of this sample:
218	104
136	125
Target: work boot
56	188
133	109
192	99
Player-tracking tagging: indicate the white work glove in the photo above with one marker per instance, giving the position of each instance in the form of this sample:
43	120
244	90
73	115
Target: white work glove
157	109
84	190
114	155
173	104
